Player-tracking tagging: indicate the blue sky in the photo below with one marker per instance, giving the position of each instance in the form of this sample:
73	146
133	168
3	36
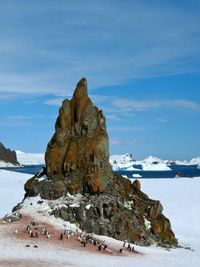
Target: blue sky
141	60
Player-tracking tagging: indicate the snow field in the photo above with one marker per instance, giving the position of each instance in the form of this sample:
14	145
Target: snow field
181	202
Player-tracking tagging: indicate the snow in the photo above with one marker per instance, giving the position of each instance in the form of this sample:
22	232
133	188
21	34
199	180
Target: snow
136	175
11	190
31	206
180	162
152	160
195	161
131	168
126	163
30	158
179	197
43	178
122	162
155	167
147	223
121	158
4	164
152	163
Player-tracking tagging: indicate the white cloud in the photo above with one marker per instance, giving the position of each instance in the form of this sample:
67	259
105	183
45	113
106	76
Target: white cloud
123	128
115	141
5	96
161	120
126	105
54	102
110	44
95	98
112	117
20	120
119	141
15	121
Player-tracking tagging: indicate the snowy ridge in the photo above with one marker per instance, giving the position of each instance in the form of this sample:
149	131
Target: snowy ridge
4	164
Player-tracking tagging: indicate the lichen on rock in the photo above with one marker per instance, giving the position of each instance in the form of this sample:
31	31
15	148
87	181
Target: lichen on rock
78	153
77	162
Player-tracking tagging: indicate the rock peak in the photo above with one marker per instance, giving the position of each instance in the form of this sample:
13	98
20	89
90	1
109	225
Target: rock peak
77	161
78	154
81	89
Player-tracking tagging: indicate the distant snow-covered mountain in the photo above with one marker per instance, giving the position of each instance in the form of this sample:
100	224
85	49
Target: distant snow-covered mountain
126	162
30	158
152	163
120	162
195	161
152	160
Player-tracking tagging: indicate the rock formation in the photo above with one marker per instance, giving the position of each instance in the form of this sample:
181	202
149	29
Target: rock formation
7	155
77	164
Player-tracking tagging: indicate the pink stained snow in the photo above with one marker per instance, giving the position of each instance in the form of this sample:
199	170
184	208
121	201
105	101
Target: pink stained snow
181	201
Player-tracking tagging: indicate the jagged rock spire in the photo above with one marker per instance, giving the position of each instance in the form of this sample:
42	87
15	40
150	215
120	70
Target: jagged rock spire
78	153
77	161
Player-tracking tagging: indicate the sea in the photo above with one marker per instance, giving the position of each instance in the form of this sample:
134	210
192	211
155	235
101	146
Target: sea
177	171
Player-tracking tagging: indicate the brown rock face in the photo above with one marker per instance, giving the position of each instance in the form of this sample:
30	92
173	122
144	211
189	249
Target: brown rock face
77	161
78	153
7	155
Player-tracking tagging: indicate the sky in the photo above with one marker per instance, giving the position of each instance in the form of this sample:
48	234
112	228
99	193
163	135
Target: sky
141	60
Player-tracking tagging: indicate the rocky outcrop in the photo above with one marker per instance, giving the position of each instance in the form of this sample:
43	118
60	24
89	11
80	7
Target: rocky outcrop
7	155
77	156
77	166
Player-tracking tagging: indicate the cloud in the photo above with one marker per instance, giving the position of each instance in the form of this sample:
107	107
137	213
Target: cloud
161	120
112	117
95	98
6	96
54	102
184	103
20	120
122	128
15	121
125	105
119	141
133	142
110	44
115	141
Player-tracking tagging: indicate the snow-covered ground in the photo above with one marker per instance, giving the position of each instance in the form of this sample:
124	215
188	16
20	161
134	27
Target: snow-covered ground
30	158
181	202
11	190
